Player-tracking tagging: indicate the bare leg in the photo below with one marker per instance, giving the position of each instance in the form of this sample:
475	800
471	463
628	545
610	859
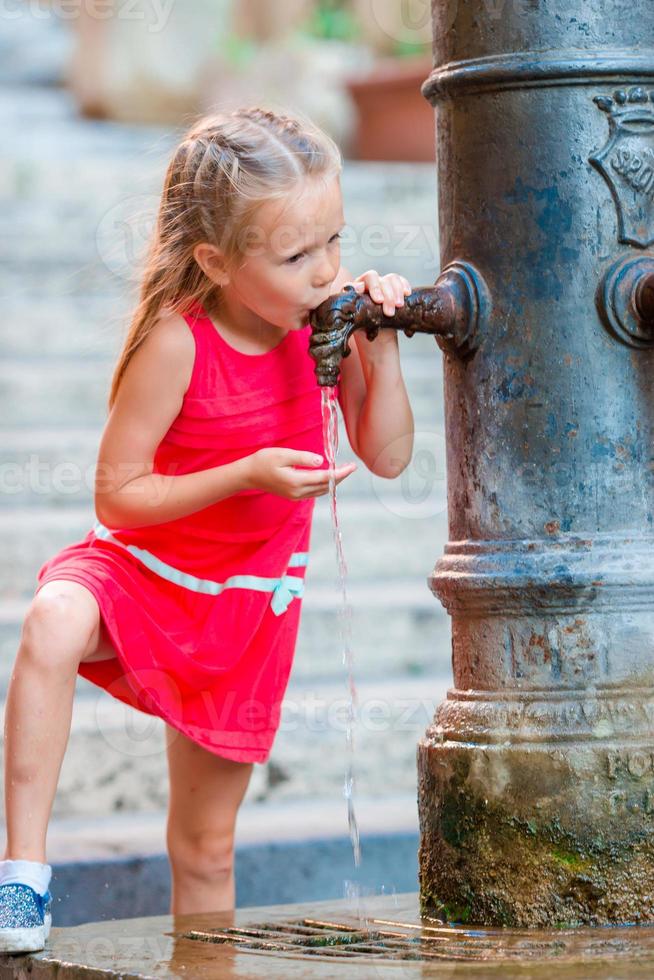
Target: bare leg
206	791
60	629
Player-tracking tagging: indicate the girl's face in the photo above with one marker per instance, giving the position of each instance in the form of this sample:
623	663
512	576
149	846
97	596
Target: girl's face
292	256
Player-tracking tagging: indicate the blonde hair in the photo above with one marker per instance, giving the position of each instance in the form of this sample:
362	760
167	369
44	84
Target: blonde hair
226	166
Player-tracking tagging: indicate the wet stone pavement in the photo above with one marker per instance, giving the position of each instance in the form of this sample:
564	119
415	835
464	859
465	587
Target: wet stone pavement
333	939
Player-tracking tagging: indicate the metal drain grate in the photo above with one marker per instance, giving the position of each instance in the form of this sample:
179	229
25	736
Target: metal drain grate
387	940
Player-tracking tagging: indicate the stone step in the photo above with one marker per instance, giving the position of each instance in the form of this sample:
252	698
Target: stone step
55	467
400	194
20	283
55	326
94	147
143	834
113	181
285	878
383	541
50	116
34	50
87	260
93	325
115	759
68	392
398	628
108	226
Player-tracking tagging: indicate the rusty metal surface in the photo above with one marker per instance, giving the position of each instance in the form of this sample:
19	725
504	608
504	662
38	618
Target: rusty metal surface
536	777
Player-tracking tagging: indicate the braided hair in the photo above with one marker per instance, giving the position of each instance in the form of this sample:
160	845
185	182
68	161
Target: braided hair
225	167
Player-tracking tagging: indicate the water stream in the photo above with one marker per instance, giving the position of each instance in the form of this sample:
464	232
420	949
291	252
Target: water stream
330	440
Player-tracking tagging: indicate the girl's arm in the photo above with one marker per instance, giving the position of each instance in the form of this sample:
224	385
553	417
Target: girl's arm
373	397
127	493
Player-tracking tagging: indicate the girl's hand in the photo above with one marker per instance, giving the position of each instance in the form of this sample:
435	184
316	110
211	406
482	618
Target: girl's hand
274	470
389	290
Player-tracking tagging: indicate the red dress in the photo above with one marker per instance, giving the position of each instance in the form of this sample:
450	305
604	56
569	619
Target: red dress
203	611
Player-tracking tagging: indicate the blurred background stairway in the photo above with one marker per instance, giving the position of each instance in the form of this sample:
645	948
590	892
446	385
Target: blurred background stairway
77	198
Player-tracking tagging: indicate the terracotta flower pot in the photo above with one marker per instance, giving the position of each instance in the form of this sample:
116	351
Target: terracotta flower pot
394	120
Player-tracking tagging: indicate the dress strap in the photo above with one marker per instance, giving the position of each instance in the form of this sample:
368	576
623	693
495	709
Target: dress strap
194	316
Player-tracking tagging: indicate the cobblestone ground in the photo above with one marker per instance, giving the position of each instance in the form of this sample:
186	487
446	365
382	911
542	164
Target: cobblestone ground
77	199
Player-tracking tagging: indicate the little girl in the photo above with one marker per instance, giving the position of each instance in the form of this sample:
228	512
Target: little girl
183	601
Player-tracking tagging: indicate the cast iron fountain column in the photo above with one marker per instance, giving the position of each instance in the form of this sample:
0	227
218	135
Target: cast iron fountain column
536	777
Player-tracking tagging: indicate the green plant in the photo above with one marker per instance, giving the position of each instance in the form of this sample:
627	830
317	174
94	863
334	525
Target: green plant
238	51
333	20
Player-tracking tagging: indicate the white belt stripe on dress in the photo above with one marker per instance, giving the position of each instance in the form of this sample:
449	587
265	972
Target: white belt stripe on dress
283	589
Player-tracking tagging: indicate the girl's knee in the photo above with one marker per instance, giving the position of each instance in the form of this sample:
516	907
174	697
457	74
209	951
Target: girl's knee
59	624
203	856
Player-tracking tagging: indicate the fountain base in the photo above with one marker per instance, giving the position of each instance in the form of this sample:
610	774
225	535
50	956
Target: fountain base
508	839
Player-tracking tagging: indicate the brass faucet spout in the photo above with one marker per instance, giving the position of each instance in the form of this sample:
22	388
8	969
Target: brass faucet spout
453	311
